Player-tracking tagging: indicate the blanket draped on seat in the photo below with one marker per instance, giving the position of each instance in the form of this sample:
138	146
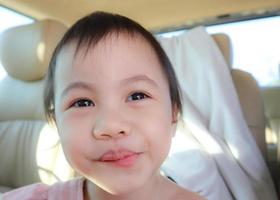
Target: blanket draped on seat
226	163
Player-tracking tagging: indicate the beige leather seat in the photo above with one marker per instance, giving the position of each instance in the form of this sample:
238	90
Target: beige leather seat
271	97
261	110
249	95
29	150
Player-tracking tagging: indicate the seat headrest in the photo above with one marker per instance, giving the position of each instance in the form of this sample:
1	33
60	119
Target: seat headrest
224	43
25	50
271	95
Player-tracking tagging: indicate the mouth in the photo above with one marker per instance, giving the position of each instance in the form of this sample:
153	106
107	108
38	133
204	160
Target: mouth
120	158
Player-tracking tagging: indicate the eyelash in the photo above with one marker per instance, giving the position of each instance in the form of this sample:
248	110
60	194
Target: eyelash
86	103
136	96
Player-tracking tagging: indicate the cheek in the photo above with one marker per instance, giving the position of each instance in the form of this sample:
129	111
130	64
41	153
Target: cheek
162	138
73	136
157	130
73	125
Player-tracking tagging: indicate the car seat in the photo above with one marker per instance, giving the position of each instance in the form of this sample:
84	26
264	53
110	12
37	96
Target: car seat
271	97
248	93
29	147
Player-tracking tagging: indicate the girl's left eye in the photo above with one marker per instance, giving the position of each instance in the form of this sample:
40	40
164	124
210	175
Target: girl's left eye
137	96
82	103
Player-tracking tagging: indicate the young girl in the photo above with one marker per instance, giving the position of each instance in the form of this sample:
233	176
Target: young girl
114	98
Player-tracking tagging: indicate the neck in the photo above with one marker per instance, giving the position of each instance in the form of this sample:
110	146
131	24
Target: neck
149	191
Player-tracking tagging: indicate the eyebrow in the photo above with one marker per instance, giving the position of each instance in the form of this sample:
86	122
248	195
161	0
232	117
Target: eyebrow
90	87
139	78
76	85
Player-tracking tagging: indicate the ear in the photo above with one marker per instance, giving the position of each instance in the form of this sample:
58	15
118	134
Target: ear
174	114
174	119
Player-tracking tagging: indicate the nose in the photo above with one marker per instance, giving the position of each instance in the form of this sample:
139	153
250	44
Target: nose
110	125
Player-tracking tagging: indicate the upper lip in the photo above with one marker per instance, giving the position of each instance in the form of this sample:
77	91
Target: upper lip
114	155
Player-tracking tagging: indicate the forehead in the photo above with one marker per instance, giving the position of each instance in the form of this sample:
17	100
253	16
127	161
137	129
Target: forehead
113	54
109	42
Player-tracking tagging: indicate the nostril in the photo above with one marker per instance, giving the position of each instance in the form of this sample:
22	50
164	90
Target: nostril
122	132
108	135
105	136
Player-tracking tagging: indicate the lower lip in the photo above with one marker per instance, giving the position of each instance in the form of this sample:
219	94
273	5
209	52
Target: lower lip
125	162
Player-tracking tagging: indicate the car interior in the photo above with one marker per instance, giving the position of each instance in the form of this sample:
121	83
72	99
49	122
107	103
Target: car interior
30	150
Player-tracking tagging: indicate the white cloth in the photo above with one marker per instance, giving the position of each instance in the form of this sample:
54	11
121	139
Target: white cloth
212	113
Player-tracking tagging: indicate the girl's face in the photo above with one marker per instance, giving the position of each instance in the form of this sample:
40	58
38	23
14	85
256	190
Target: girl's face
114	112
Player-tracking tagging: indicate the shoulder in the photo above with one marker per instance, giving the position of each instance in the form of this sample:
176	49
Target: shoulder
176	192
70	190
188	195
38	191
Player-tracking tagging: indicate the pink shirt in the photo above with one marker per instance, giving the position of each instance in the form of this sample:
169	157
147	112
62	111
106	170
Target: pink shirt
70	190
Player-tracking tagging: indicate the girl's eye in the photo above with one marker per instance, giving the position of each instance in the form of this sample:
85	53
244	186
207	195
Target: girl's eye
137	96
82	103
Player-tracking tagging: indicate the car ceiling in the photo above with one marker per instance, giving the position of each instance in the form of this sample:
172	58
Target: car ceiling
153	14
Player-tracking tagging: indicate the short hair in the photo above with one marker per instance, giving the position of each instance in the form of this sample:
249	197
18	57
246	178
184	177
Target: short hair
91	29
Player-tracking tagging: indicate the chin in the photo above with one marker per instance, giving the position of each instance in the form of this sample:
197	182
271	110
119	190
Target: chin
123	189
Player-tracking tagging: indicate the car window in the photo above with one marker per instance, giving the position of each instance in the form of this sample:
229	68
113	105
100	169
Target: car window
256	47
255	44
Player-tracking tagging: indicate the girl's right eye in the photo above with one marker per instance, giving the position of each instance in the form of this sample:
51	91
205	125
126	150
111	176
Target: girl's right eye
82	103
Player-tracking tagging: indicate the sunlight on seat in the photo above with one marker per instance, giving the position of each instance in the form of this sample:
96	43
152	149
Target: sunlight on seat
270	136
3	72
41	51
51	162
